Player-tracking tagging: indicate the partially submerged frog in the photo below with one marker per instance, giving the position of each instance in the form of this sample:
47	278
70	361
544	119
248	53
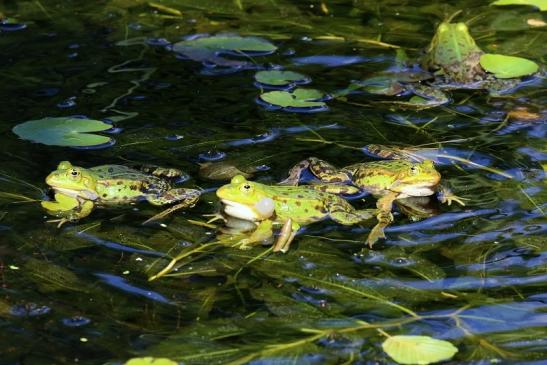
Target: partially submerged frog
78	190
387	180
454	59
289	206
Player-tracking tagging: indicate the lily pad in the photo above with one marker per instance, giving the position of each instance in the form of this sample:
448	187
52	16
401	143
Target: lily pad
65	131
541	4
150	361
505	67
207	49
418	349
299	100
285	79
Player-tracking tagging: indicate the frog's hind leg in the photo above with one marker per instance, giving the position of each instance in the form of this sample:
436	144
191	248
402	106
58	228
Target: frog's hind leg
344	213
185	197
321	169
384	205
161	171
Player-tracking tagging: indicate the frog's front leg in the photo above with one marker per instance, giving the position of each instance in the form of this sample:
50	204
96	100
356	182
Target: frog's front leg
185	197
262	232
445	195
321	169
286	236
384	205
67	209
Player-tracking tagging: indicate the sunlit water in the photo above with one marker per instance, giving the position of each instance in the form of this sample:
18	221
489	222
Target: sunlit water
473	275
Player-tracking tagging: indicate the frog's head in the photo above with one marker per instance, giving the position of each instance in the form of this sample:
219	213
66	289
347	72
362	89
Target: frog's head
73	181
451	44
417	179
246	200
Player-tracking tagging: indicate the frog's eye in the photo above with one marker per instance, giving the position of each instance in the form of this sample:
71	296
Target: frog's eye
246	188
414	170
443	28
74	173
461	27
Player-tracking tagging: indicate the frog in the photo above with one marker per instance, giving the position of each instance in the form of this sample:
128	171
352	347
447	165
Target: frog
289	206
387	180
78	190
451	61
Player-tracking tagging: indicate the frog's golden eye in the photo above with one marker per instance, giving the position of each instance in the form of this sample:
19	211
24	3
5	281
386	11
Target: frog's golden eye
414	170
443	28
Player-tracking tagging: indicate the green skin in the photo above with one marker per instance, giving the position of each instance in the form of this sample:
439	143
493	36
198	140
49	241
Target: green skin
287	205
386	180
78	190
454	52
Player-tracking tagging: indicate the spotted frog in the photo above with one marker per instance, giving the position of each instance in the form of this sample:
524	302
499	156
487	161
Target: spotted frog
290	206
388	180
79	190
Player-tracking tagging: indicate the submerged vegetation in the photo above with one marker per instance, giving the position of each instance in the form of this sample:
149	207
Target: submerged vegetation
138	91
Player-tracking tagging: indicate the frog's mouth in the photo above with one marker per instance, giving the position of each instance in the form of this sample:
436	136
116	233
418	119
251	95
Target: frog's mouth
263	209
86	194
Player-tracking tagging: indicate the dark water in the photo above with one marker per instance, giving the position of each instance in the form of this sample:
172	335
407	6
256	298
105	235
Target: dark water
473	275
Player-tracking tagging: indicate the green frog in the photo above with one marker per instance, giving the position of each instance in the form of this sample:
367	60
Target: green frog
79	190
290	206
388	180
454	59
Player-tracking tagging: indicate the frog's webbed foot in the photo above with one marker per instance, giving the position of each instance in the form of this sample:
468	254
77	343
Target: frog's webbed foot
60	221
377	232
215	217
445	195
384	205
286	236
161	171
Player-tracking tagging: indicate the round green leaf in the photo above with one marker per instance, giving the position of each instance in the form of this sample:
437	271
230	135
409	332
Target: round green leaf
150	361
280	78
541	4
299	98
418	349
505	67
64	131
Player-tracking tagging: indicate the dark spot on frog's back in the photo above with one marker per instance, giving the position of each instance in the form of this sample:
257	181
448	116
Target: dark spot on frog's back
133	187
298	203
300	196
119	182
104	195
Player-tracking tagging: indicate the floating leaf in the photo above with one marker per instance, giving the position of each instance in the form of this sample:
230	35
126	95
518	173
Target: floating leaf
281	78
208	49
150	361
64	131
541	4
418	349
299	100
505	67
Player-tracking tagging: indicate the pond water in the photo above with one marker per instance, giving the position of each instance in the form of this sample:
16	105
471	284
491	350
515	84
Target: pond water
474	275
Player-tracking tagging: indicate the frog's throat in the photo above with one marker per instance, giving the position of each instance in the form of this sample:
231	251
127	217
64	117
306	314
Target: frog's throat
417	190
86	194
263	209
